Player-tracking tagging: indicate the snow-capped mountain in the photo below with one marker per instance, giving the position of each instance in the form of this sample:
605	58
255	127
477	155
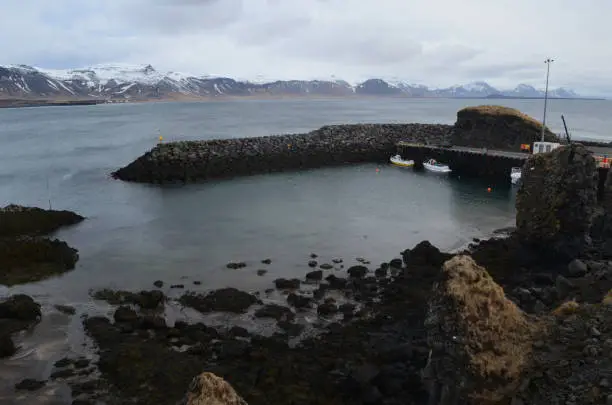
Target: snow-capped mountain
144	82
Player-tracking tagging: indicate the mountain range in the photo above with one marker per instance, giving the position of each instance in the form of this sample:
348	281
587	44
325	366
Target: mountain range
144	83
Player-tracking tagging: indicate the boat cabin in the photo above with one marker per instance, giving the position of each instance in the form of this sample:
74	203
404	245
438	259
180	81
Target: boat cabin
544	147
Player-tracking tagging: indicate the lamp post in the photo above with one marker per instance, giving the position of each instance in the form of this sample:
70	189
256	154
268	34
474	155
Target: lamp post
548	62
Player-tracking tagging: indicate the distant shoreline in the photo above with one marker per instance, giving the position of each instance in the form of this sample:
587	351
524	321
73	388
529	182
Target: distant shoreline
18	103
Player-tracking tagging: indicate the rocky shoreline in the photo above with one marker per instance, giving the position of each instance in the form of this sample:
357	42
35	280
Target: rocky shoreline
523	319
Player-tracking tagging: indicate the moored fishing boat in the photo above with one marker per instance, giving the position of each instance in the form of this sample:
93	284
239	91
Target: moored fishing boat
434	166
398	161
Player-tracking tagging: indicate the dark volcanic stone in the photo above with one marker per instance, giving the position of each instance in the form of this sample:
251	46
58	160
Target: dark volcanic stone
144	299
284	284
20	307
177	286
153	322
7	347
30	259
18	220
316	275
266	261
238	331
327	308
424	254
150	299
125	314
556	201
357	271
336	283
292	329
397	263
81	363
275	311
326	266
298	300
236	265
312	263
65	309
65	373
65	362
380	272
224	300
158	284
29	385
261	272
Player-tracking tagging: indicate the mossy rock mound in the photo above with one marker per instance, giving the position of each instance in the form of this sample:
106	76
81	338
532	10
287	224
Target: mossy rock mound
17	220
30	259
497	127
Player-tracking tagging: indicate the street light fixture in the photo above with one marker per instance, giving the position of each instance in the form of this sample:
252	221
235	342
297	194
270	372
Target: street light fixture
548	61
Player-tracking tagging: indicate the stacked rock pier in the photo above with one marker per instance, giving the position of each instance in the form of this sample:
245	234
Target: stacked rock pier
190	161
485	141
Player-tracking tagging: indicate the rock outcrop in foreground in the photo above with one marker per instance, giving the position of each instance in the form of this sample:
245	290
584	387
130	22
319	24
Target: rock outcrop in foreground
556	201
17	312
25	254
497	127
16	220
479	339
327	146
209	389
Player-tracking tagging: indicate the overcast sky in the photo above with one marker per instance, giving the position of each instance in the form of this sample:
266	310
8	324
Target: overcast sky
433	42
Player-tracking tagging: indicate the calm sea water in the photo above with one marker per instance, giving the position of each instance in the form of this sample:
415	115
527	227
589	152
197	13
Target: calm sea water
136	234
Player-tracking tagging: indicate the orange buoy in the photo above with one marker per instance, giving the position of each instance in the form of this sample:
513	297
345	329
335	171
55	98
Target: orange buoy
377	170
488	189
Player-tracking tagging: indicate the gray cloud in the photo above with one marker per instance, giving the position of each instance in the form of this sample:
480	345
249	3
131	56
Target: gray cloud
437	42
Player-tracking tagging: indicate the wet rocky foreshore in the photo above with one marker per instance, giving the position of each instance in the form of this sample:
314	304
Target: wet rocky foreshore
521	318
28	255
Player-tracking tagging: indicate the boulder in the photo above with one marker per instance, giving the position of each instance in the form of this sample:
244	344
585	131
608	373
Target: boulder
284	284
17	220
424	254
275	311
7	347
20	307
125	314
556	201
357	271
316	275
480	341
26	259
208	389
224	300
497	127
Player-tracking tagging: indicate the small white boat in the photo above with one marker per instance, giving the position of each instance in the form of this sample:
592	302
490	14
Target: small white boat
515	175
398	161
433	166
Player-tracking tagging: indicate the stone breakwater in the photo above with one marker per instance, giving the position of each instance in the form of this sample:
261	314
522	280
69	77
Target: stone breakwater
189	161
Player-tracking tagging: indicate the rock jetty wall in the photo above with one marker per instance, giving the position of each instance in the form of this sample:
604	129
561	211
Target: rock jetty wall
328	146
